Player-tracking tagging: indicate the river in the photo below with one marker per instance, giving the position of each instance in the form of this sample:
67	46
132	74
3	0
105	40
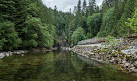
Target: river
58	66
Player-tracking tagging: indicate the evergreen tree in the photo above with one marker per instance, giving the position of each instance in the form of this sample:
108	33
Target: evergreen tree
93	23
128	13
92	6
79	6
8	37
20	16
84	8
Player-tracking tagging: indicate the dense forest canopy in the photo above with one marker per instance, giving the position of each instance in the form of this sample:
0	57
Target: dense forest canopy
26	24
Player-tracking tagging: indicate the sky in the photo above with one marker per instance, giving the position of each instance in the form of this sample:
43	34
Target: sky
65	5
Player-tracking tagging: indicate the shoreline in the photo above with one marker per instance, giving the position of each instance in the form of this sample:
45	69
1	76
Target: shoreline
21	52
101	53
9	53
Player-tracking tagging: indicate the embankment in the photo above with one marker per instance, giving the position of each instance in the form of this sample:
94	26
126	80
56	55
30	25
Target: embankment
123	54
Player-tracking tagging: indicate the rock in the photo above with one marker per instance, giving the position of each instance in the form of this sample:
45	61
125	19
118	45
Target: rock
116	55
111	61
124	62
1	55
135	63
127	65
132	68
116	61
131	65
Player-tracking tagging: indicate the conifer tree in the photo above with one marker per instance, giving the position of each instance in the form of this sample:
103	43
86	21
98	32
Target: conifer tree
84	8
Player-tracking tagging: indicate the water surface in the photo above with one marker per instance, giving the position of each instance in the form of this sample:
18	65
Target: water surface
57	66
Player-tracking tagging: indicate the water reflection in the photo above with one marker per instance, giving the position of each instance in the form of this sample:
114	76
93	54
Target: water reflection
57	66
89	61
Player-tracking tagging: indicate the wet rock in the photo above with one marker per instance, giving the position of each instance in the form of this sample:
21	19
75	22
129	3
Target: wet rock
134	70
135	63
1	55
127	65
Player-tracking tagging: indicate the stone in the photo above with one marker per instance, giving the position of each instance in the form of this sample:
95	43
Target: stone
1	55
132	68
135	70
135	63
127	65
124	62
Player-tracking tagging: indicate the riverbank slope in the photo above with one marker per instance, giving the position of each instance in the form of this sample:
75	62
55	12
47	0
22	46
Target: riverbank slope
122	53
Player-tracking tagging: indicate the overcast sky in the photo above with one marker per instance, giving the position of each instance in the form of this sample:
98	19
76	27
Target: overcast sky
65	5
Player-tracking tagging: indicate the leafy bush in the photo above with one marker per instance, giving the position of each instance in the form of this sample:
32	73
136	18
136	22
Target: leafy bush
112	42
77	35
133	22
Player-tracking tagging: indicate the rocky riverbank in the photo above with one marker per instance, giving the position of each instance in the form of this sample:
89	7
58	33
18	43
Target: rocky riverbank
9	53
123	53
21	52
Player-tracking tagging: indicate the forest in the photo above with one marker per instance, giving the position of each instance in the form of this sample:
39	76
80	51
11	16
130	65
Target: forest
26	24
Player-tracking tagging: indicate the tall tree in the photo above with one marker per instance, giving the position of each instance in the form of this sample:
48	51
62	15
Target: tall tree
9	39
92	5
20	16
128	13
79	6
84	8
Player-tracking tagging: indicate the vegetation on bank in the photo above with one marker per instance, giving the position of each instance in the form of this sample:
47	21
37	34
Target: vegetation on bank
26	24
116	18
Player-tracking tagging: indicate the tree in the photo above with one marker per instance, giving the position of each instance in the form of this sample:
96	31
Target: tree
93	23
20	16
30	31
77	35
78	13
105	26
72	27
133	22
79	6
47	36
9	39
97	9
7	10
128	13
92	6
84	8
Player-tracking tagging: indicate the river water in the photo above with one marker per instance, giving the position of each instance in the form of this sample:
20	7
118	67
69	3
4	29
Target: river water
58	66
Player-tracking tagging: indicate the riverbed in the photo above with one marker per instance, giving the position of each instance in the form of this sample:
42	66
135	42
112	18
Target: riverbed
58	66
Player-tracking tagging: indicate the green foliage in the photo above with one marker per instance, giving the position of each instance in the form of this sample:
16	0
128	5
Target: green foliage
105	26
9	39
33	25
128	13
112	42
133	22
109	39
94	23
22	25
38	34
47	37
72	27
31	30
78	35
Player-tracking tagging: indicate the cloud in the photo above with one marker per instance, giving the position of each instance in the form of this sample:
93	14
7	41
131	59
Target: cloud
64	5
